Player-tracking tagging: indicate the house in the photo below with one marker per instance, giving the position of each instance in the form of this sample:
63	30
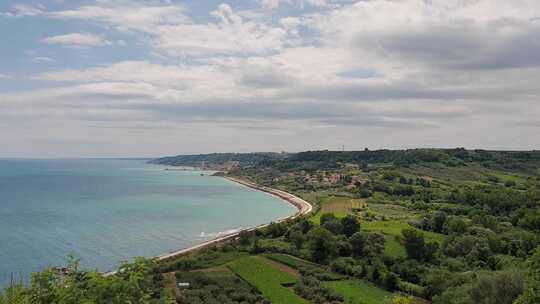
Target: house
334	178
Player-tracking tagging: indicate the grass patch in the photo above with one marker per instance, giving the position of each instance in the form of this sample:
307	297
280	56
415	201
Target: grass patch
359	292
289	260
275	245
280	266
267	279
207	258
393	248
340	206
391	211
393	228
298	263
317	217
504	177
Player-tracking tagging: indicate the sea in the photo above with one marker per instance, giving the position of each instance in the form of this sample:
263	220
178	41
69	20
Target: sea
107	211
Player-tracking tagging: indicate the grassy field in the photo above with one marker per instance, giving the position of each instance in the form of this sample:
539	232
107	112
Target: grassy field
267	279
288	260
317	217
298	263
206	259
390	211
393	248
393	228
340	206
359	292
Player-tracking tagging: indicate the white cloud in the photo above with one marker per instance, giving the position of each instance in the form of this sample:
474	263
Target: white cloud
4	76
171	33
231	34
77	40
455	71
22	10
42	59
127	15
319	3
272	4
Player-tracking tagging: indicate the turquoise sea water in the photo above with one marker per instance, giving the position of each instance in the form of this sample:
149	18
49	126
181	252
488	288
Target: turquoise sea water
108	211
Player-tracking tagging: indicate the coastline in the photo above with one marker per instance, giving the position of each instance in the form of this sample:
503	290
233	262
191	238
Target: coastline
301	205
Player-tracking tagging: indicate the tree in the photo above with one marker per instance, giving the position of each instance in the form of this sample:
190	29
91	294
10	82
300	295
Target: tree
133	283
275	230
437	281
456	226
530	220
256	246
487	288
343	246
327	217
500	288
430	250
374	245
322	244
15	294
439	219
416	247
244	237
304	225
531	294
297	238
333	226
358	241
350	225
391	281
414	243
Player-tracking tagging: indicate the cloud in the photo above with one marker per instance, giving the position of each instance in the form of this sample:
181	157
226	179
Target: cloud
4	76
274	4
22	10
77	40
457	34
43	59
173	34
126	15
231	34
309	73
149	103
497	45
271	4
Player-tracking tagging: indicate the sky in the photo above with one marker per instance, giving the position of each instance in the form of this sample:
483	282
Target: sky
113	78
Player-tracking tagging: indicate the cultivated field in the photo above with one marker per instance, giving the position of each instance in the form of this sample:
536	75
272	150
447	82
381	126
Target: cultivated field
271	282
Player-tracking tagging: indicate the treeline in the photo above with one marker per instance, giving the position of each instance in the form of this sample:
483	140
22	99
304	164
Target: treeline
245	159
136	282
518	161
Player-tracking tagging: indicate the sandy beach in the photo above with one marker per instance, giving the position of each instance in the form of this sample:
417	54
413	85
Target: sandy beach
303	208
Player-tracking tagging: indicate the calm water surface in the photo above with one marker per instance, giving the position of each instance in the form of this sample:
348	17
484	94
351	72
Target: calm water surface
108	211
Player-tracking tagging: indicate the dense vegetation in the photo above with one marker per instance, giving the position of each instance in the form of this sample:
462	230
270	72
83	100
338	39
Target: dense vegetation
245	159
414	226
